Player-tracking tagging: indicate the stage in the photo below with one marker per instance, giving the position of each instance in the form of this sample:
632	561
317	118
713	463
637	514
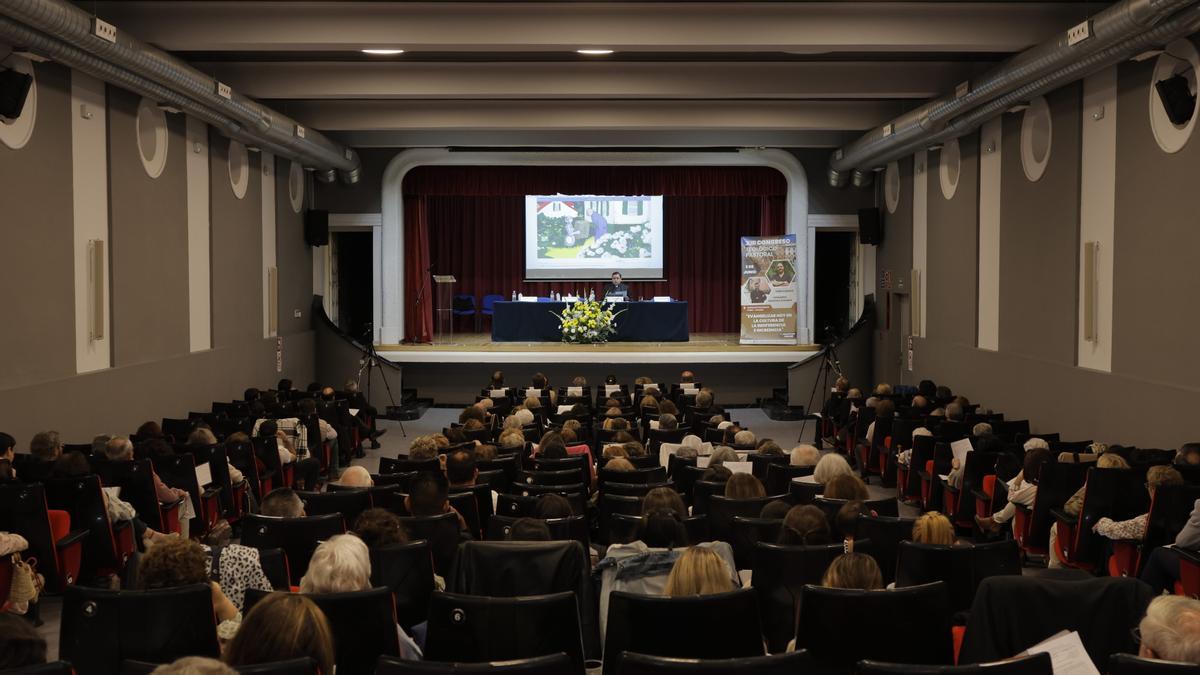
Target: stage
701	348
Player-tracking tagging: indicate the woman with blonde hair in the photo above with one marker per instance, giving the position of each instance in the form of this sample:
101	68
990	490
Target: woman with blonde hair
933	528
853	570
698	571
744	486
280	627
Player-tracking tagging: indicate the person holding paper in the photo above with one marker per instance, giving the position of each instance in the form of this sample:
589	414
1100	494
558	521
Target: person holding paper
1022	489
617	288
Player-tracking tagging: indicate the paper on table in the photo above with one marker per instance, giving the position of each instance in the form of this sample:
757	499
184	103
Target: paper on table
203	474
702	461
527	298
534	392
564	409
498	393
960	448
353	412
1066	654
611	388
569	298
574	391
739	467
662	298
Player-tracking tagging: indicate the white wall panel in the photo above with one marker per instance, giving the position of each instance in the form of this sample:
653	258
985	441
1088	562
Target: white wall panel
1097	194
199	224
89	176
989	235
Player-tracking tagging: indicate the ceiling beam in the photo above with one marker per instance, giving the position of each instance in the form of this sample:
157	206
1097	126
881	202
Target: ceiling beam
805	27
396	115
776	80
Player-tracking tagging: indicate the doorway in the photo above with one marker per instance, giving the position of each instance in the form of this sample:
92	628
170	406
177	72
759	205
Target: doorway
351	255
835	276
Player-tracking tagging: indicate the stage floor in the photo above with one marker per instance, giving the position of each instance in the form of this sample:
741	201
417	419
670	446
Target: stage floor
701	348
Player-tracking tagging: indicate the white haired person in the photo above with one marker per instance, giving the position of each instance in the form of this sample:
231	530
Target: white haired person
342	564
1171	629
828	467
805	455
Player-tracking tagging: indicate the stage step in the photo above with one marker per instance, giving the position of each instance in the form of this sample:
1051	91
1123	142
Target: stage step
777	407
411	407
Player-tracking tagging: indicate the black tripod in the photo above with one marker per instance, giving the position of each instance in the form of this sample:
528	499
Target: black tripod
829	364
368	363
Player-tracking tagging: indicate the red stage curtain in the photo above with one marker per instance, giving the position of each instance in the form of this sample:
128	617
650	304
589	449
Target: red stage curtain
418	320
472	221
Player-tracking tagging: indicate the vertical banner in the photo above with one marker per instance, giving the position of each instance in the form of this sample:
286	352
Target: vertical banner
769	290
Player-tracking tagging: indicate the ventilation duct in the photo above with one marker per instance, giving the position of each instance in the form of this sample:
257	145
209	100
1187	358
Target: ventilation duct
1115	34
65	33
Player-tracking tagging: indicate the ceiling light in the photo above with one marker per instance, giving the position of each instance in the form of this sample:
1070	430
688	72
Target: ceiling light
383	52
595	52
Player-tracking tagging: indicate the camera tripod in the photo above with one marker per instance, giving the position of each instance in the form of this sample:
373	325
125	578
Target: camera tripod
830	364
368	363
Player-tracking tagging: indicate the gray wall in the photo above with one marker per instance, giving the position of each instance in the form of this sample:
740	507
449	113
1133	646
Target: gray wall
37	285
1148	398
153	373
895	256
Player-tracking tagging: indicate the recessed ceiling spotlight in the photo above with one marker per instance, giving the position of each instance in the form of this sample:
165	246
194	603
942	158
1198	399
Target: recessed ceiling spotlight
594	52
383	52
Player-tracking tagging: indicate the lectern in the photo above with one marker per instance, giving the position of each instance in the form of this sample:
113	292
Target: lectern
443	308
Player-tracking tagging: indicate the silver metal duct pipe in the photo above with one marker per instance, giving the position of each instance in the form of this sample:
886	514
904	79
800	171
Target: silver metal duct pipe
62	21
1110	28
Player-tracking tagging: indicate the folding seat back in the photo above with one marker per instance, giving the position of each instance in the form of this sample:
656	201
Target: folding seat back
52	668
702	492
472	628
961	568
481	492
403	465
803	492
136	480
101	628
760	462
108	545
242	456
779	476
552	664
179	471
519	568
685	478
267	452
177	430
722	510
1118	494
775	664
275	565
880	507
885	533
1009	430
508	465
363	624
840	627
1056	483
656	474
633	489
24	510
1033	664
31	469
348	503
578	463
627	528
468	507
298	537
555	478
1169	511
780	575
656	437
978	465
748	531
922	452
442	533
674	626
616	504
575	493
1129	664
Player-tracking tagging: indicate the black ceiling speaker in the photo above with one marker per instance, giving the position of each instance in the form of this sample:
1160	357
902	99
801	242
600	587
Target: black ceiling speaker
14	87
1177	98
316	227
870	227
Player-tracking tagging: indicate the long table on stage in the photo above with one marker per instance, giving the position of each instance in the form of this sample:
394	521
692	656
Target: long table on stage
639	322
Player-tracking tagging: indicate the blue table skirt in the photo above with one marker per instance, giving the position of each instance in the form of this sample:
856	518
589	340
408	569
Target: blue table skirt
640	322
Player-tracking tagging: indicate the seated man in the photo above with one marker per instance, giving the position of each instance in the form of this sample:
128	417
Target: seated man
615	289
428	495
1171	629
282	503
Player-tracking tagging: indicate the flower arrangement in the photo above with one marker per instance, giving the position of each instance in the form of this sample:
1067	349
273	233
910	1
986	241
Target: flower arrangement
627	243
587	322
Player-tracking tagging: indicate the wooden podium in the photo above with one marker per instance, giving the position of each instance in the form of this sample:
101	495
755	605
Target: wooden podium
443	308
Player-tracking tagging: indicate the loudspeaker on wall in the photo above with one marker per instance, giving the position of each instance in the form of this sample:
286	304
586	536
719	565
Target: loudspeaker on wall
316	227
14	88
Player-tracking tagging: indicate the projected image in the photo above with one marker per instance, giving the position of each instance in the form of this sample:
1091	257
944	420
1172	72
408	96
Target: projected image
577	236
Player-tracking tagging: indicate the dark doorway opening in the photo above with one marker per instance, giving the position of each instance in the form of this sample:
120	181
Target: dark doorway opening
833	271
354	255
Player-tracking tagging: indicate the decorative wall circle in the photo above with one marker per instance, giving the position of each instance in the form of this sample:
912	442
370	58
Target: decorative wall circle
891	187
16	133
1037	132
296	186
1180	57
152	137
239	169
949	168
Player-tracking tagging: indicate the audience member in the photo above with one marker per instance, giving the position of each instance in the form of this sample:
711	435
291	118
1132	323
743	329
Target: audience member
460	469
846	486
282	503
1161	570
805	455
776	509
933	528
379	528
424	448
845	523
1022	489
618	464
280	627
853	570
1171	629
1135	528
174	562
698	571
194	665
667	422
722	454
664	498
830	466
356	476
45	446
120	449
552	506
1188	454
804	526
528	529
744	486
428	495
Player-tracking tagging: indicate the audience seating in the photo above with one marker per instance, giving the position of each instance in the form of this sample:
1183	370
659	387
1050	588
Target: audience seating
406	569
275	565
298	537
748	531
443	534
1034	664
136	480
574	528
677	626
552	664
59	550
363	623
885	534
304	666
803	492
108	545
179	471
962	568
722	510
1128	664
52	668
790	663
779	476
232	496
101	628
346	503
474	629
840	627
1113	493
1168	514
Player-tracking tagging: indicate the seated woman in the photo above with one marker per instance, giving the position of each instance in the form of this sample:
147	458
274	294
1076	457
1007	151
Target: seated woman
699	571
174	562
74	464
933	528
744	486
1074	505
853	570
846	486
342	564
1022	490
1135	528
280	627
804	526
829	466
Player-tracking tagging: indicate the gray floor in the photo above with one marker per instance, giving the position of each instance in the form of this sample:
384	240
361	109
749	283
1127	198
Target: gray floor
395	442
